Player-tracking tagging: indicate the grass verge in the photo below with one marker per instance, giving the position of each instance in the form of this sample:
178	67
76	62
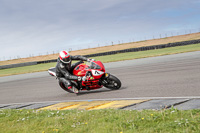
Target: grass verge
99	121
109	58
26	69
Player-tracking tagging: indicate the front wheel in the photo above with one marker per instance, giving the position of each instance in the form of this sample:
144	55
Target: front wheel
112	83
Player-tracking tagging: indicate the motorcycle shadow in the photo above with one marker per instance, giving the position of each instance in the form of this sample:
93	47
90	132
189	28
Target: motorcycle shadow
98	91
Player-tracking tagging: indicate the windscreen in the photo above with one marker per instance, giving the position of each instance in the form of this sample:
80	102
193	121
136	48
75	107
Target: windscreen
94	66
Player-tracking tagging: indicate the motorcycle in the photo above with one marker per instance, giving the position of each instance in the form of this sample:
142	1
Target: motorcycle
96	77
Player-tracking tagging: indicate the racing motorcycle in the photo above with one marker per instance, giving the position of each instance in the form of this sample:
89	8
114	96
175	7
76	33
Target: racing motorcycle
96	77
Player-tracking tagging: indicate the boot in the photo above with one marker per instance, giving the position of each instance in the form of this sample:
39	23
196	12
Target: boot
75	90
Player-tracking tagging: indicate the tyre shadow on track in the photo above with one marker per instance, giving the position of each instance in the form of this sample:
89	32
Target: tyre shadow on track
99	91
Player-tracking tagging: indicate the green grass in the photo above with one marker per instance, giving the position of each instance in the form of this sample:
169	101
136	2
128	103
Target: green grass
99	121
149	53
26	69
109	58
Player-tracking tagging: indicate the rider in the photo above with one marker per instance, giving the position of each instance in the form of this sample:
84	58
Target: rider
64	69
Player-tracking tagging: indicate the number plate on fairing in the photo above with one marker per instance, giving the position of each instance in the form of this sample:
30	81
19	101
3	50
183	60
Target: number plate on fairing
97	73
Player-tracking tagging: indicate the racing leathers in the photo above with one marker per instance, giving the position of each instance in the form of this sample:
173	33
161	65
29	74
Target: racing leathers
64	71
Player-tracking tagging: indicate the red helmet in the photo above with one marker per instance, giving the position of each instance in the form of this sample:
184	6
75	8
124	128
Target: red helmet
65	57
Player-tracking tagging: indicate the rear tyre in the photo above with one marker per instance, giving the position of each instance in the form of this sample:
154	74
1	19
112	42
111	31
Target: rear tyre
66	89
113	83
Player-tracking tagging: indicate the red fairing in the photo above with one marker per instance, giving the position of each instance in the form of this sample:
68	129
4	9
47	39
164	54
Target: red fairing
80	70
101	65
96	70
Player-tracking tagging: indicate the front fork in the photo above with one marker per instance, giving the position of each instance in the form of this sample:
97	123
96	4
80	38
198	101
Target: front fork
103	81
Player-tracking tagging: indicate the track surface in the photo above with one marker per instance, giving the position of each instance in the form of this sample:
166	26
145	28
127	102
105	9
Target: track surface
165	76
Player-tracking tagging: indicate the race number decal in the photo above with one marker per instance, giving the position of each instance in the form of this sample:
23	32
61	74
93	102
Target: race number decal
97	73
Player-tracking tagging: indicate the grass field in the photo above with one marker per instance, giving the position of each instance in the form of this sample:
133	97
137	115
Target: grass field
99	121
109	58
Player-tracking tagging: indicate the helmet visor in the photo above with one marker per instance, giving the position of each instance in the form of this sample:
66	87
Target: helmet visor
66	59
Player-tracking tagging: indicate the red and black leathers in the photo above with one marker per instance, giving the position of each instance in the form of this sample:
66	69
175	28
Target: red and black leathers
64	71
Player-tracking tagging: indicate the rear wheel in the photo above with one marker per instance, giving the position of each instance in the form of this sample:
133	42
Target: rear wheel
113	83
66	89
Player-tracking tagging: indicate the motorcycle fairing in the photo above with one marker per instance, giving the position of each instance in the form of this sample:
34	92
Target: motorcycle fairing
97	72
52	71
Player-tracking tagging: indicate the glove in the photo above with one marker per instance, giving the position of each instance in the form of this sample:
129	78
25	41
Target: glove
90	60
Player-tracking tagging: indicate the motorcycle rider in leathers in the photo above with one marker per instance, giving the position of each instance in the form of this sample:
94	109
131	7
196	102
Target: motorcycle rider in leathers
64	69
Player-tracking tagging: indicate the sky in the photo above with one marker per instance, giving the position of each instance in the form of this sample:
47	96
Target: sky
38	27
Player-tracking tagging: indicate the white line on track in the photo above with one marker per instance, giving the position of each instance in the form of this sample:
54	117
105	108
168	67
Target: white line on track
138	98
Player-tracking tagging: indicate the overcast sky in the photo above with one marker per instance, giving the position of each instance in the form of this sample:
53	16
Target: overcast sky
40	26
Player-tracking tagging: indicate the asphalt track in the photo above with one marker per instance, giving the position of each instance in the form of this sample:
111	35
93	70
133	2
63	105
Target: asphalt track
174	76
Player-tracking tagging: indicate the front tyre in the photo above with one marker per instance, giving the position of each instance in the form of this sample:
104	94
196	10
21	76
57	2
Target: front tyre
113	83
